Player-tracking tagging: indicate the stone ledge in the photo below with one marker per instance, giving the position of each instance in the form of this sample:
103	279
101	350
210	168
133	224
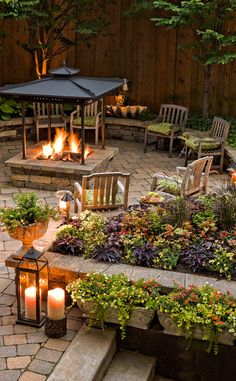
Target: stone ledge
124	122
64	268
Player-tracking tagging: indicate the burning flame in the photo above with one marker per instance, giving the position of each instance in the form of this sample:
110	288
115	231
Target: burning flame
58	149
87	151
74	143
59	140
47	150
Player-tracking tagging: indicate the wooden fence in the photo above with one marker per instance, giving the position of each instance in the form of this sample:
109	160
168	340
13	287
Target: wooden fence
136	49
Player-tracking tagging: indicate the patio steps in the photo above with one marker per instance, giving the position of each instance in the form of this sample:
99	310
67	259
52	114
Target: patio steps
131	366
87	357
92	356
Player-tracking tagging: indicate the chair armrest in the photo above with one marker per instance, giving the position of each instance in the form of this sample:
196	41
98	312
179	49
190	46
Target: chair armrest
121	186
180	169
98	117
73	113
78	188
162	176
156	120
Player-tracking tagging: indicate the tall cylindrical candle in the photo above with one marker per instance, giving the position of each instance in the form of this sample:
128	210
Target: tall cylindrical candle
56	304
30	303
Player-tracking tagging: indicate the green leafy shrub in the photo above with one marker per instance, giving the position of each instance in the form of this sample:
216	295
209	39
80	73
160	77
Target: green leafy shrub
28	210
11	109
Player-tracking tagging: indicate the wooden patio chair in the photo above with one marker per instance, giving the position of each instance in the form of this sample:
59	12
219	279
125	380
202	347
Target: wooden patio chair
102	191
170	124
189	180
211	144
92	120
58	118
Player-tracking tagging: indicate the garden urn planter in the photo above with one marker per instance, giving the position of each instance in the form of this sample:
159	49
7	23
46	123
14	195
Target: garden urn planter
124	111
140	316
27	234
170	328
133	111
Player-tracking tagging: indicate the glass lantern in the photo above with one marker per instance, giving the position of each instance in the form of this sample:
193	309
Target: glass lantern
32	288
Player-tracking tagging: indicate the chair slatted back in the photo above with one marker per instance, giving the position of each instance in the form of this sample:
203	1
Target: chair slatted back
89	110
105	187
196	176
219	129
173	114
41	110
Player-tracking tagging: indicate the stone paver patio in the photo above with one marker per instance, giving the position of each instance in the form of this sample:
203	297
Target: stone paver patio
26	353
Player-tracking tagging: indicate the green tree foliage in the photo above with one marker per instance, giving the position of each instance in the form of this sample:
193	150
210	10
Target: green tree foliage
53	26
212	40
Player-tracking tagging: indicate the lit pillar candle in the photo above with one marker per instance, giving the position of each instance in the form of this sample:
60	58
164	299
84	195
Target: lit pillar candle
30	303
56	304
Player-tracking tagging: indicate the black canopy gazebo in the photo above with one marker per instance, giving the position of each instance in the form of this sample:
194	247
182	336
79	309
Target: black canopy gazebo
63	85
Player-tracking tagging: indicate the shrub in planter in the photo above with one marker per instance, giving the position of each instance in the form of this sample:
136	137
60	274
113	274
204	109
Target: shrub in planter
29	210
113	298
194	308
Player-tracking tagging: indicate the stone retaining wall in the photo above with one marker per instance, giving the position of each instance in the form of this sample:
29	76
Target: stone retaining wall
125	129
12	129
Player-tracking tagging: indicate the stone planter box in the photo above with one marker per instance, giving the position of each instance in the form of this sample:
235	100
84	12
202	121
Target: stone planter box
140	318
170	328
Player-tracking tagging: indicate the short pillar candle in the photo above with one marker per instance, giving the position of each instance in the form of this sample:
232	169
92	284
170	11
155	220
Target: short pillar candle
56	304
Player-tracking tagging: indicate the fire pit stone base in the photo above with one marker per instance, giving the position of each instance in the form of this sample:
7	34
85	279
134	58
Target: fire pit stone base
56	175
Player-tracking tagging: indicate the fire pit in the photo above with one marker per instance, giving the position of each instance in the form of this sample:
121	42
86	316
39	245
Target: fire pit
55	172
65	146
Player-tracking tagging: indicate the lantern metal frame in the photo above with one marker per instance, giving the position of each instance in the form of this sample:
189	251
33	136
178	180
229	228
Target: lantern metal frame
40	264
67	199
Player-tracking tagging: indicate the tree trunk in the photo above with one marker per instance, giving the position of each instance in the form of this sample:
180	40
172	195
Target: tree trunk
207	86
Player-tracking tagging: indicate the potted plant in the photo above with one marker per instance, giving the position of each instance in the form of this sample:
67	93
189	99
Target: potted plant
203	313
28	220
115	299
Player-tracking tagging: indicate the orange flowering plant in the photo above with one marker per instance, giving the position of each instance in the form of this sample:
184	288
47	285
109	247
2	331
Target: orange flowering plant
202	306
117	292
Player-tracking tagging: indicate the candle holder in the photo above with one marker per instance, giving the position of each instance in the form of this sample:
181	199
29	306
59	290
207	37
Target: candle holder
55	328
32	288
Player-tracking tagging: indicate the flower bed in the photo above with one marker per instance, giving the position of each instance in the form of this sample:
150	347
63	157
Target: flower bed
191	235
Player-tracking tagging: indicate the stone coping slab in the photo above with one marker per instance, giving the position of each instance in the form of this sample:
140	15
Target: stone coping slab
64	268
